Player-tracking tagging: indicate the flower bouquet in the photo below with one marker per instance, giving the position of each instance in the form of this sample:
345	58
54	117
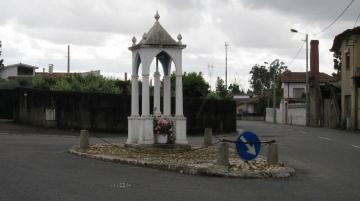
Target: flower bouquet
163	130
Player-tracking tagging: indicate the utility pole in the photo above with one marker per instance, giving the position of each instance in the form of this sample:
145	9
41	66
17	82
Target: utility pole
1	60
307	81
210	68
274	95
307	100
226	47
68	60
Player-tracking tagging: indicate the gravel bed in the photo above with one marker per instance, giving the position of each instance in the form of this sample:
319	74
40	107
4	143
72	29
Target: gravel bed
197	161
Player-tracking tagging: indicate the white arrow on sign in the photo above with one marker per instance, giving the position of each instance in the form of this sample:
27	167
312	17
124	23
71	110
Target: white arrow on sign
250	148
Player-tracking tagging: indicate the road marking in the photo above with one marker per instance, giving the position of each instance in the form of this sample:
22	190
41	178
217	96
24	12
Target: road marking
356	146
303	132
4	133
325	138
250	148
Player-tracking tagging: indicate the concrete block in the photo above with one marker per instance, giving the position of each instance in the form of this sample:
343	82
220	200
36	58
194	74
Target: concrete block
223	154
84	139
208	137
272	154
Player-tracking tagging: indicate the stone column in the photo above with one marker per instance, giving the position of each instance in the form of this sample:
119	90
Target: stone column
134	95
133	120
167	95
146	134
157	91
145	96
179	96
180	120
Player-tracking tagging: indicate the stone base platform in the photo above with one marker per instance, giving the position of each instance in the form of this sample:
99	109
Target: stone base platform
160	147
193	160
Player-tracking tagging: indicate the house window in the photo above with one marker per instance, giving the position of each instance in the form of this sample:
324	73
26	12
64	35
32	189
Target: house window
299	92
347	60
25	71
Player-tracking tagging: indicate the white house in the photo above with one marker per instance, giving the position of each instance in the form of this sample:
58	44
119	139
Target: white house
245	104
294	84
17	70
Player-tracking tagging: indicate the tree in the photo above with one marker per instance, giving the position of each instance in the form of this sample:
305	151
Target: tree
234	89
194	85
262	77
221	88
79	83
337	62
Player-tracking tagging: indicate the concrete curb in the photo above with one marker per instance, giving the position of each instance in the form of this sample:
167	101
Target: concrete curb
216	171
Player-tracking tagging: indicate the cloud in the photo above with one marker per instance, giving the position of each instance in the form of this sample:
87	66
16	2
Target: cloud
99	32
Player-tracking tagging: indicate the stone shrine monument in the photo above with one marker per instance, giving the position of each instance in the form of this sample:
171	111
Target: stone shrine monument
159	45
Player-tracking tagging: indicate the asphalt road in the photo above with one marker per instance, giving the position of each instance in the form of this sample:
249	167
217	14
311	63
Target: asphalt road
34	166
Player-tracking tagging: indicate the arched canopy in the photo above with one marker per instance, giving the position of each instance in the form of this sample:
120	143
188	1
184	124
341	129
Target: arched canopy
157	43
145	56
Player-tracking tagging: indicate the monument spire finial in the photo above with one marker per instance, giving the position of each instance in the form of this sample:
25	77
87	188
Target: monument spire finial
157	16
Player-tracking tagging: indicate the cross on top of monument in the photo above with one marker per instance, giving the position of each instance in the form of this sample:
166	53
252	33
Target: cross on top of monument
157	36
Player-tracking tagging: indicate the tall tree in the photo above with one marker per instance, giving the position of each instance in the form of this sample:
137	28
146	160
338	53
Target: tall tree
234	89
262	76
221	88
194	85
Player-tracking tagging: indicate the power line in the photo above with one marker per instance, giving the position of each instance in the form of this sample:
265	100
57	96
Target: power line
336	19
357	19
297	53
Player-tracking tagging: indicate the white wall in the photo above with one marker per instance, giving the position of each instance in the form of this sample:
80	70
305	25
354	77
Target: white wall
5	73
269	115
288	88
296	114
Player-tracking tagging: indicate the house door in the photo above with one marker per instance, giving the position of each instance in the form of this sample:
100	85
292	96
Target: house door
358	108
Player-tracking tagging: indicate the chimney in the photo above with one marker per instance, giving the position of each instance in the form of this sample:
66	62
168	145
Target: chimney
51	68
125	76
314	58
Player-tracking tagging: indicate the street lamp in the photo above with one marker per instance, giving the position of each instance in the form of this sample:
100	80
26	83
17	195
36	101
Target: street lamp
274	86
275	65
307	76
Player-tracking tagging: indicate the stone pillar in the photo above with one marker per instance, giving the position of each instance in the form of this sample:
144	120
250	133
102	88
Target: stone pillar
134	95
84	140
145	96
146	134
180	120
208	137
157	93
133	120
223	154
179	96
167	95
272	155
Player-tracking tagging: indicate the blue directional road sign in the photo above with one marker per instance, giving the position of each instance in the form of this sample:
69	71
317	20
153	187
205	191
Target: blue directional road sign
248	146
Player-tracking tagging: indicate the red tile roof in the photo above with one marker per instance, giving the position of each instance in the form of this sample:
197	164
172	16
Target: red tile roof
300	77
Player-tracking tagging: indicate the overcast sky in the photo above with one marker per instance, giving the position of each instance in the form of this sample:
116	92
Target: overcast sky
37	32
